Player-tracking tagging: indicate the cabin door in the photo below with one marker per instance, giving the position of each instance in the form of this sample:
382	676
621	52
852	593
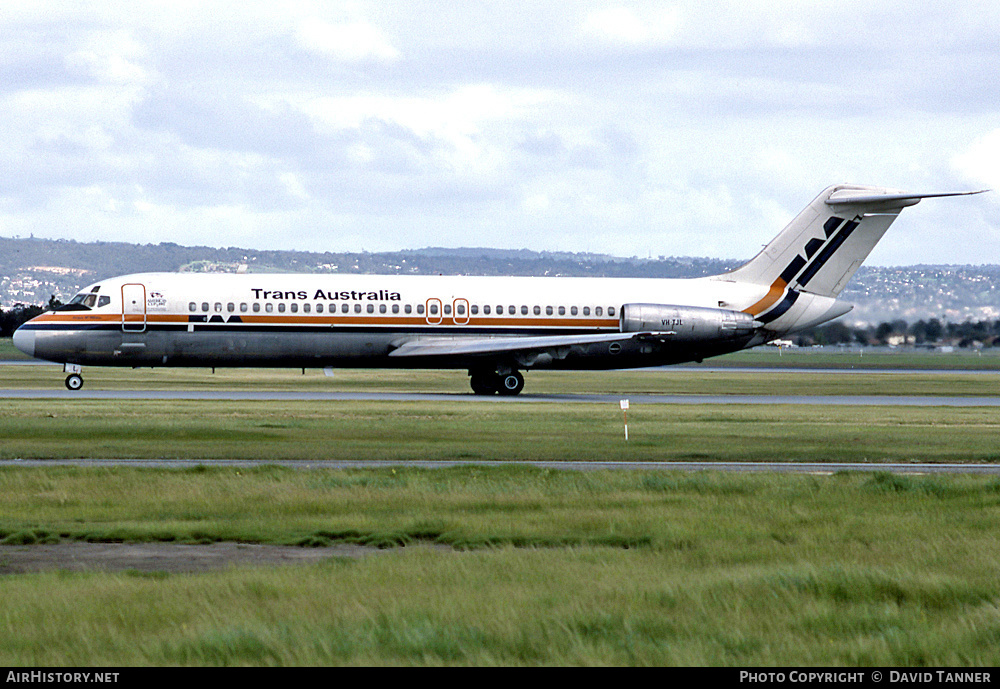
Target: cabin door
134	308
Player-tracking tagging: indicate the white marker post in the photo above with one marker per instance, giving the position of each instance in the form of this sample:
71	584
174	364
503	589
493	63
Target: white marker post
624	405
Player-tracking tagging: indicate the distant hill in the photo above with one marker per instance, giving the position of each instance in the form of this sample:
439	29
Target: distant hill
32	270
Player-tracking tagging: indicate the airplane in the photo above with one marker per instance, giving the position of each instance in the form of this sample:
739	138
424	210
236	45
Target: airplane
494	327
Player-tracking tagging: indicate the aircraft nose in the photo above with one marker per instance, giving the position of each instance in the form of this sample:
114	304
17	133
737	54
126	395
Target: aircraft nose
25	341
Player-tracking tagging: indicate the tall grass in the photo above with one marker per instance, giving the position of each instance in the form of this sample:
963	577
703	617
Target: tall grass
547	567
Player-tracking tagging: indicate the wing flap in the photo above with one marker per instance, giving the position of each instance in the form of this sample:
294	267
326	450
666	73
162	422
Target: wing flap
472	346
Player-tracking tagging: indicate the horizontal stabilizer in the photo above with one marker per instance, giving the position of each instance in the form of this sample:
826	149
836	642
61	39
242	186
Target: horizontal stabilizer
848	196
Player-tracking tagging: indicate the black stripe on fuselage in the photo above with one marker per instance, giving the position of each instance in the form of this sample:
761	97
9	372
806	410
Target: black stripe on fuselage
780	309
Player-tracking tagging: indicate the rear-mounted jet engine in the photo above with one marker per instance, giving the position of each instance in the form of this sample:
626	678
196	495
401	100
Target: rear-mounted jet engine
687	323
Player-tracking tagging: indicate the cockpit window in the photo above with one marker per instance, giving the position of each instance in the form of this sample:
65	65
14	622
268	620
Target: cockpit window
85	301
81	302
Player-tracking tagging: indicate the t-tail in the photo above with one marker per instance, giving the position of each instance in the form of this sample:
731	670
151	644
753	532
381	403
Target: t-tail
808	264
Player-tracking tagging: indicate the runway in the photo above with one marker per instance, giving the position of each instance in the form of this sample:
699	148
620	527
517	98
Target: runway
736	467
593	398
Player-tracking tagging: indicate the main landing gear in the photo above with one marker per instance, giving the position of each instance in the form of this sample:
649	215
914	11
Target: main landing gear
487	382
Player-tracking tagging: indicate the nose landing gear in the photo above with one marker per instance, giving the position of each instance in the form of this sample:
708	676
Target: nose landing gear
74	381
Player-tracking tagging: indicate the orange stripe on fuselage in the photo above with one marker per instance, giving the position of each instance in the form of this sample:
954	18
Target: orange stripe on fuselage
772	296
352	320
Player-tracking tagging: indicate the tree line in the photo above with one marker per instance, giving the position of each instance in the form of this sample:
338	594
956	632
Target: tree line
12	318
931	332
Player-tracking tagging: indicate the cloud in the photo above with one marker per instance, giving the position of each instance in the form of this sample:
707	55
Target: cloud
623	25
352	41
109	57
629	127
981	162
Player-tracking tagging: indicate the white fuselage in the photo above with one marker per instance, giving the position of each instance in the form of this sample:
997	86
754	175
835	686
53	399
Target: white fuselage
181	319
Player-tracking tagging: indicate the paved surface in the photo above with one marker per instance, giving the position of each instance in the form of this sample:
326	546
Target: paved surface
740	467
163	557
260	395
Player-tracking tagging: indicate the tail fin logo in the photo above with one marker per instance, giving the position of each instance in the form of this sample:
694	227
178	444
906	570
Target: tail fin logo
797	274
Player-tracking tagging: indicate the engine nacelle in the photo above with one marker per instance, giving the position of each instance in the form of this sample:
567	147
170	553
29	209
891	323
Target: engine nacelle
687	323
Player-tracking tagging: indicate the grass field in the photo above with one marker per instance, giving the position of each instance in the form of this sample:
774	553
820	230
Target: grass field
529	567
549	567
675	381
387	431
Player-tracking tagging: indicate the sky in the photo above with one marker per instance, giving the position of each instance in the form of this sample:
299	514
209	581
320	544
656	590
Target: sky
627	128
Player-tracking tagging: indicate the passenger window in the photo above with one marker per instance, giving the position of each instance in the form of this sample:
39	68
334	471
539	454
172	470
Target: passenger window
611	310
371	308
395	308
486	310
447	309
256	307
474	309
598	311
420	309
548	310
408	309
381	308
357	308
562	310
434	309
295	308
192	307
269	307
218	306
306	308
230	307
586	310
572	311
524	310
319	308
537	310
281	308
204	306
243	307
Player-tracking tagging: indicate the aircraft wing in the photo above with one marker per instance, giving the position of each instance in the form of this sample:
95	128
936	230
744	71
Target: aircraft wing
441	346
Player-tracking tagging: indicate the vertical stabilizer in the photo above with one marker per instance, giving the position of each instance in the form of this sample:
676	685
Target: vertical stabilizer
822	248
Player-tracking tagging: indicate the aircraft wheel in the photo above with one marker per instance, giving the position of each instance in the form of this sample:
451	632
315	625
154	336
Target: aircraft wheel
74	381
512	383
484	383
